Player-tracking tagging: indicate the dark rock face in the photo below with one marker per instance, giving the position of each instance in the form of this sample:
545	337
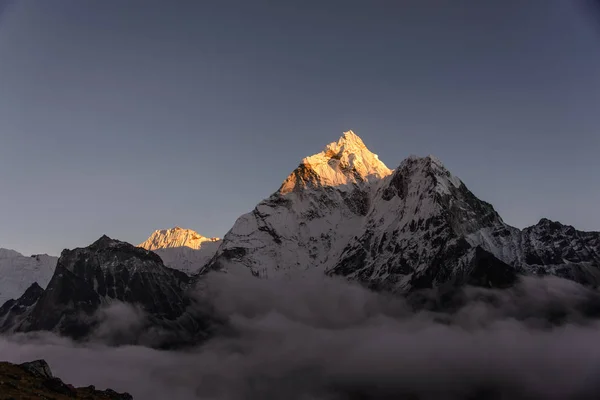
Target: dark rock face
358	201
485	270
89	279
39	368
14	311
107	270
553	248
57	386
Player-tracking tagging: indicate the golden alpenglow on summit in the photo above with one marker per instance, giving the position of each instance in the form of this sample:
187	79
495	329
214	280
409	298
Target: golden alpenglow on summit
175	237
341	163
446	248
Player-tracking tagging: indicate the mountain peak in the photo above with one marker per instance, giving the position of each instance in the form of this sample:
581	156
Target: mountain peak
175	237
429	169
351	139
105	242
345	162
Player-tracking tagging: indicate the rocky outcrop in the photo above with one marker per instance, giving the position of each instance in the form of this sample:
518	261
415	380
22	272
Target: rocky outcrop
38	368
88	284
34	380
13	312
550	247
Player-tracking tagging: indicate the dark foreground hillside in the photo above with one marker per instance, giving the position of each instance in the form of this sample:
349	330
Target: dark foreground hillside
34	380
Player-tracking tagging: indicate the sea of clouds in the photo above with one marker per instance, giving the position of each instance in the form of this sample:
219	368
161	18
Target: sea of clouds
330	339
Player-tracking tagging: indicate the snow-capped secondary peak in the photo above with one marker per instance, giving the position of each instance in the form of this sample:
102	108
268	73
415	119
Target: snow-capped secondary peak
18	272
430	171
182	249
342	163
176	237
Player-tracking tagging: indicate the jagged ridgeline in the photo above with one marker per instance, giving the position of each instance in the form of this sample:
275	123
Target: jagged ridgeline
94	285
342	212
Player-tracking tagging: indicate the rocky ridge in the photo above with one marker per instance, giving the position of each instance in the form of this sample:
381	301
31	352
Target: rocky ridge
108	281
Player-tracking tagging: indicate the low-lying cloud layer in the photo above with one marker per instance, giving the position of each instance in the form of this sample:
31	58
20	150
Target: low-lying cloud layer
329	339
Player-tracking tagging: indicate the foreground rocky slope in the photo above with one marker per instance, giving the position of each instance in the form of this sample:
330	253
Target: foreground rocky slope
108	282
343	212
34	380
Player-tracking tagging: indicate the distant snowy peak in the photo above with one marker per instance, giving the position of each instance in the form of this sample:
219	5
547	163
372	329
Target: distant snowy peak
431	167
7	253
182	249
341	164
176	237
18	272
424	176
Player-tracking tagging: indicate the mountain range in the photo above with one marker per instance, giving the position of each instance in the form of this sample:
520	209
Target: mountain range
341	212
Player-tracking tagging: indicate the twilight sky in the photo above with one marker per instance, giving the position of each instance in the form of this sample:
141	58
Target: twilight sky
122	117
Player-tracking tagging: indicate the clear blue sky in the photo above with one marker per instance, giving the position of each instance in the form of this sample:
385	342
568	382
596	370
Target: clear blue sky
122	117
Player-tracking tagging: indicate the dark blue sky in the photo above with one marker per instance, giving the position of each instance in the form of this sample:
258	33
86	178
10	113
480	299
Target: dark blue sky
122	117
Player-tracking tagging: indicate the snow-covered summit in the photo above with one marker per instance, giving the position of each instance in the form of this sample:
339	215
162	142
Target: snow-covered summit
182	249
307	222
8	253
429	169
18	272
342	163
176	237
